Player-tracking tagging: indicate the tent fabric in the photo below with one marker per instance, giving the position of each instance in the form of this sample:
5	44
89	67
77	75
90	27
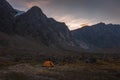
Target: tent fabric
48	64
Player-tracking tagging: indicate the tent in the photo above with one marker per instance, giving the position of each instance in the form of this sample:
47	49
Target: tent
48	64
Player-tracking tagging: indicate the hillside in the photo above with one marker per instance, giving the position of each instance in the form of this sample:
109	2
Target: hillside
105	36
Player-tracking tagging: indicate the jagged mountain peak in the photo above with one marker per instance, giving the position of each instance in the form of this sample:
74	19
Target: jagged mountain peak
101	24
34	13
35	10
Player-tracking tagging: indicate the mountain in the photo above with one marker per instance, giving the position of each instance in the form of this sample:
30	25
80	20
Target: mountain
6	16
36	24
6	7
105	36
31	34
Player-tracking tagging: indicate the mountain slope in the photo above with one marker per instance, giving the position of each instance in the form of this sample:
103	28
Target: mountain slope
6	16
100	35
35	23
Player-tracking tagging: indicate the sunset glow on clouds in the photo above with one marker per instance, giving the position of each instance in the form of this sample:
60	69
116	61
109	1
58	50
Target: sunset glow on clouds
72	22
75	13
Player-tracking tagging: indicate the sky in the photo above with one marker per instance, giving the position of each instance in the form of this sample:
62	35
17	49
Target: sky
75	13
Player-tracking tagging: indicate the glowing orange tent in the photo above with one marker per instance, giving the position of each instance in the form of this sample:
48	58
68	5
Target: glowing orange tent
48	64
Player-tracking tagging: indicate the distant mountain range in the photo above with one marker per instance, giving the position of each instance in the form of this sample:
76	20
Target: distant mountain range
105	36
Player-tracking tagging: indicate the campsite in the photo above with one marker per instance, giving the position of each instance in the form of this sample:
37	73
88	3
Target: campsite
82	69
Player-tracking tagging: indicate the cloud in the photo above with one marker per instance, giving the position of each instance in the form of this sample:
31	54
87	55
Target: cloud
72	22
75	12
26	4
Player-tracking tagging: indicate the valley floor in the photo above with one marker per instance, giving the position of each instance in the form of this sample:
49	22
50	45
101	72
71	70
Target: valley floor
74	71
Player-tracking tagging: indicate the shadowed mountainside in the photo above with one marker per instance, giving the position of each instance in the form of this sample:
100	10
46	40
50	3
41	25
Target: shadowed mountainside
6	16
105	36
35	23
32	33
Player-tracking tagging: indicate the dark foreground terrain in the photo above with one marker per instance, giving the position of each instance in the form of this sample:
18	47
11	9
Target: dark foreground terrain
102	69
